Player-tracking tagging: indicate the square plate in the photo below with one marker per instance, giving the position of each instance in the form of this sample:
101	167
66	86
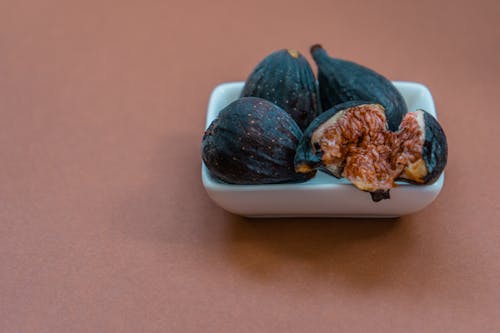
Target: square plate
323	195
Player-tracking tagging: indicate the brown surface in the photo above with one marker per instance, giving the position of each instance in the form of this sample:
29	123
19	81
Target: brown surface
105	226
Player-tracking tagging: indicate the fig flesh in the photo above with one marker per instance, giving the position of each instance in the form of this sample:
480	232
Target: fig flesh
341	81
286	79
352	140
252	141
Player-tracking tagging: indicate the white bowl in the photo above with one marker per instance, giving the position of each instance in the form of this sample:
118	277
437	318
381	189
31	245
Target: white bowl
323	195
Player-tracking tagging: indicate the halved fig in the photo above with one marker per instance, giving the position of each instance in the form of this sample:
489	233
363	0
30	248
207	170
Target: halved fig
434	151
352	140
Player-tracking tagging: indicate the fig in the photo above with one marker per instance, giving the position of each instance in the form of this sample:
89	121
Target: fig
434	155
341	81
253	141
352	140
286	79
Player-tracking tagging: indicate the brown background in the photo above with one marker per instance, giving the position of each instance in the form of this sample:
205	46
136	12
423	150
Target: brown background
104	223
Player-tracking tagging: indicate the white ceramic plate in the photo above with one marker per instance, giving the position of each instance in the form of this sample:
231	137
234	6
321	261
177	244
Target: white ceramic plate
323	195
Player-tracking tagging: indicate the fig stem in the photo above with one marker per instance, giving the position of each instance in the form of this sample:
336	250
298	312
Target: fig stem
293	53
379	195
315	47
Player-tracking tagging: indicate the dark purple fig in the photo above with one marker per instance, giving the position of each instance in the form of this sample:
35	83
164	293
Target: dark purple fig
286	79
341	81
434	155
352	140
252	141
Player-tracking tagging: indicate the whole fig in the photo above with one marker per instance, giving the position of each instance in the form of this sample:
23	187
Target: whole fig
341	81
286	79
252	141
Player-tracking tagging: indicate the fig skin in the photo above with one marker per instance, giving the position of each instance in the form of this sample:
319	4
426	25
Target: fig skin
341	81
286	79
252	141
434	151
